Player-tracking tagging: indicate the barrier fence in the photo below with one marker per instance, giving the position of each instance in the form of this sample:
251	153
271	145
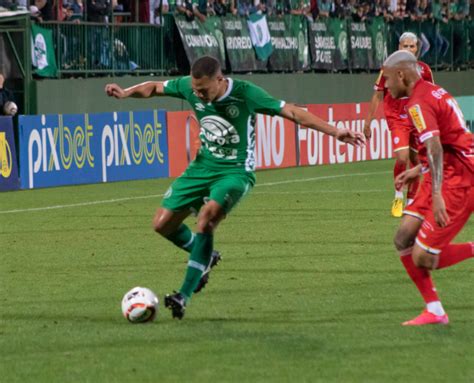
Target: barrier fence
298	45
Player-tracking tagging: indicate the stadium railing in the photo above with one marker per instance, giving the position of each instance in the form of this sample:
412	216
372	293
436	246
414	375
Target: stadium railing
89	49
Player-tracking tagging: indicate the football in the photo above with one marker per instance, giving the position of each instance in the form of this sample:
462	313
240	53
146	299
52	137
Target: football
140	305
10	108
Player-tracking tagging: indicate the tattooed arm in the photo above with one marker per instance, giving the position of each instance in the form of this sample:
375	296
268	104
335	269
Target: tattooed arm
435	159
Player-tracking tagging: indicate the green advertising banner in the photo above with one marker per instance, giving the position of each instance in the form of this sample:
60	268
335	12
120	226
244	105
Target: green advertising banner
239	45
328	44
299	29
378	34
42	52
290	43
201	39
360	46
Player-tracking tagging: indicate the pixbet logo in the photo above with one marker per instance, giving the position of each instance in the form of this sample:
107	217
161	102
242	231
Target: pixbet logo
58	148
124	144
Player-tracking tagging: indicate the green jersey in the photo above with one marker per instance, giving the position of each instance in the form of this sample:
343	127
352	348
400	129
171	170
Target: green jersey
227	131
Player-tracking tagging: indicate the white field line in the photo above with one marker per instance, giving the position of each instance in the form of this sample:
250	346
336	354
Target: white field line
114	200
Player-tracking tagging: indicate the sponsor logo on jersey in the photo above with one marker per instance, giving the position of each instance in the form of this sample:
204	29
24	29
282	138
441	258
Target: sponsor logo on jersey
199	107
216	134
417	117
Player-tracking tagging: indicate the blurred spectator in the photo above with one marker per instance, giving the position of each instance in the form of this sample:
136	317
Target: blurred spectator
301	7
46	9
158	8
246	7
339	10
7	100
35	14
72	10
224	7
463	10
359	16
387	10
400	13
282	7
190	9
326	7
376	9
440	11
425	9
98	11
143	9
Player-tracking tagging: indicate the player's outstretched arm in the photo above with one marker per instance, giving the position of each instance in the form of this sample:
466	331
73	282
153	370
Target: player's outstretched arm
407	177
434	151
142	90
375	101
309	120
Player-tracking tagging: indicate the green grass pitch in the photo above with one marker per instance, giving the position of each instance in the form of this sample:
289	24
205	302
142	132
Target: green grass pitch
310	288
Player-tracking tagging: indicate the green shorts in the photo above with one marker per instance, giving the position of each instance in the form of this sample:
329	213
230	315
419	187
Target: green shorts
198	184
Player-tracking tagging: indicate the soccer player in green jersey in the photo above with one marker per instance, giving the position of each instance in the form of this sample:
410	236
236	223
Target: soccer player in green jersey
223	171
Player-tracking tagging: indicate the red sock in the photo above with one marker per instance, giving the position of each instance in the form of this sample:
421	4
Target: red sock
420	277
455	253
398	168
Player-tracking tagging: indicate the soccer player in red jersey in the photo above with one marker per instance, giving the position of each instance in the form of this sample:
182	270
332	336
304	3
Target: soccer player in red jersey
404	146
445	200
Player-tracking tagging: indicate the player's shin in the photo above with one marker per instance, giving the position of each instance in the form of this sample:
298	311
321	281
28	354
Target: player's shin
183	238
420	277
455	253
399	168
198	261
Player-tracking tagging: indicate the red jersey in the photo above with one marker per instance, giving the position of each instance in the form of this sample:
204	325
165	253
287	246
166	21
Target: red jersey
394	109
434	112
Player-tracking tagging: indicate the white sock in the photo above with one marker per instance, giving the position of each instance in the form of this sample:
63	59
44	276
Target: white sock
435	308
398	194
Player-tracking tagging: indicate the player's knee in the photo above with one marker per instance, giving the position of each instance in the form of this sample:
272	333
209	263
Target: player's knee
402	240
160	226
208	220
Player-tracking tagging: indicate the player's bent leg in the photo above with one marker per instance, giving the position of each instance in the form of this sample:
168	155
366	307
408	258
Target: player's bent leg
166	222
413	187
406	233
170	225
402	160
200	258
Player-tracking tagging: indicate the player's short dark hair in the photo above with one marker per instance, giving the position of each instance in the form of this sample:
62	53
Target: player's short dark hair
205	66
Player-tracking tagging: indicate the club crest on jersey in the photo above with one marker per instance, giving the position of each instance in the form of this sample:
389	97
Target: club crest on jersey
232	111
417	118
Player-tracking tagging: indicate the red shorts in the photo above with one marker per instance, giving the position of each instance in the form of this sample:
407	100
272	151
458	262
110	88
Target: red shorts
459	206
401	135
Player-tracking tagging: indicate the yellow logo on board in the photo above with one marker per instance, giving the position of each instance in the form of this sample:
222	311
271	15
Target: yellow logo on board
417	118
5	156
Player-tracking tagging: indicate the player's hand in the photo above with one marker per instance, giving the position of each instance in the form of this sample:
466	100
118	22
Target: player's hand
367	130
350	137
439	210
406	177
113	90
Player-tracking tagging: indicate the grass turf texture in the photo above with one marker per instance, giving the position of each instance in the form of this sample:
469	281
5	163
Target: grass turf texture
310	288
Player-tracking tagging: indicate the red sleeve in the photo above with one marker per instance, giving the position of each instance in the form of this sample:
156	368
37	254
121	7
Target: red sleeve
423	116
380	82
427	73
